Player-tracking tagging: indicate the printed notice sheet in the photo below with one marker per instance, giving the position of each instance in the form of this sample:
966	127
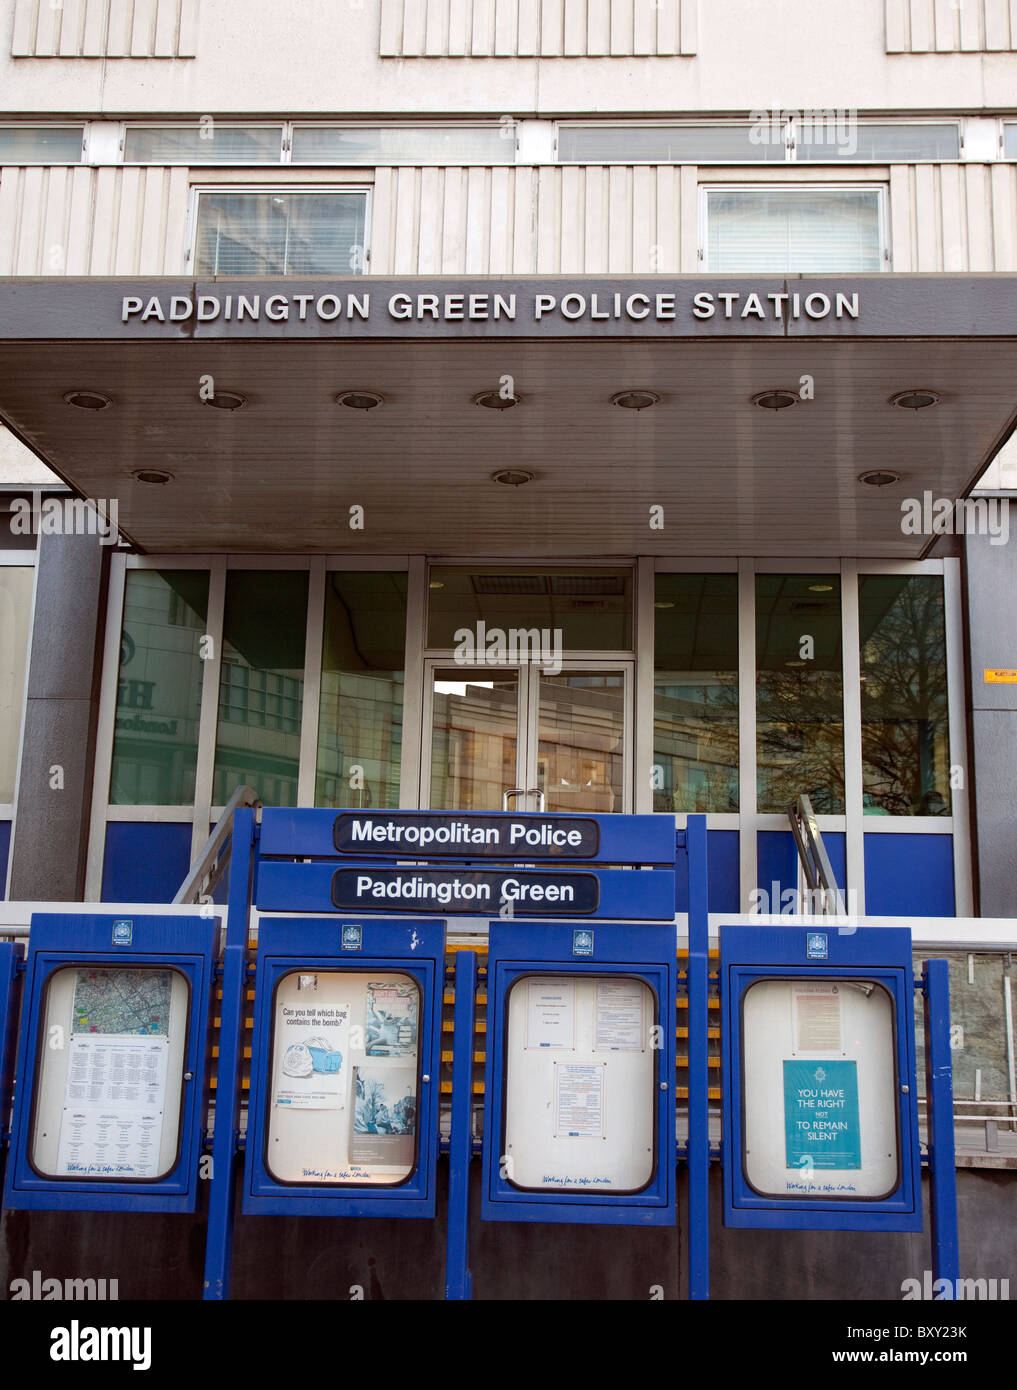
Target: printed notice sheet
311	1051
579	1100
551	1013
619	1016
114	1100
816	1017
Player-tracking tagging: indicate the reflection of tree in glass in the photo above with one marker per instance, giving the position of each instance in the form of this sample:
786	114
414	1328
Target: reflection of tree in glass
905	745
696	741
800	738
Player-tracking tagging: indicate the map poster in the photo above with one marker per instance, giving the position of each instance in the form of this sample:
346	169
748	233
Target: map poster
311	1055
114	1101
821	1125
579	1100
384	1116
122	1001
392	1008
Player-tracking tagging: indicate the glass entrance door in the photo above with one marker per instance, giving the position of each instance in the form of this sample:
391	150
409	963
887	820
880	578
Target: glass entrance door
518	738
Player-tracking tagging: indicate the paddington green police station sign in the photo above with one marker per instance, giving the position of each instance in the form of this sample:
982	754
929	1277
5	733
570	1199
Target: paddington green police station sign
526	307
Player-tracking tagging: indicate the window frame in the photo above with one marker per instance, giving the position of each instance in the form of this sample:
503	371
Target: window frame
127	126
434	126
799	188
271	189
48	125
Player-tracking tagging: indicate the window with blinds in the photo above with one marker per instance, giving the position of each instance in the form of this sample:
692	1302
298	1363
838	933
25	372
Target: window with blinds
840	140
417	144
203	142
280	232
806	230
671	144
41	144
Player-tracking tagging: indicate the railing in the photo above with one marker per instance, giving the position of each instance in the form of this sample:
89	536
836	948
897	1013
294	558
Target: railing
818	893
210	866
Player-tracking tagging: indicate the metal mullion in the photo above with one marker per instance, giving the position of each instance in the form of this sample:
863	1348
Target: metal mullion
208	719
309	714
640	778
960	808
851	692
747	838
528	730
415	729
103	765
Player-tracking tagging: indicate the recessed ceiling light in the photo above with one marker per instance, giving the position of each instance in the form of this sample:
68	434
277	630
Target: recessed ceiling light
494	400
820	588
512	477
88	400
152	475
915	399
360	400
436	584
796	663
226	400
635	400
775	400
663	603
879	477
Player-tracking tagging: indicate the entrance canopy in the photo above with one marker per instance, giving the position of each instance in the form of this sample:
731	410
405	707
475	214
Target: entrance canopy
282	470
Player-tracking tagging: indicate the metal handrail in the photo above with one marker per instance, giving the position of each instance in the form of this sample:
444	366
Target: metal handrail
814	862
211	864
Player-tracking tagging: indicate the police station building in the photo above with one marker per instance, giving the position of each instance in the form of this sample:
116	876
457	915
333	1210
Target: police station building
578	409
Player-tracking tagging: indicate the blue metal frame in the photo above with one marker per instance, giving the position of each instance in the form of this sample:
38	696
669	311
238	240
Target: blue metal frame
939	1094
291	887
645	952
12	954
186	944
415	948
698	986
750	954
226	1136
458	1279
623	839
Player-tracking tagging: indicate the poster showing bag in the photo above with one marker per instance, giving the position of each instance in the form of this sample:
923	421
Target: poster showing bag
311	1056
392	1012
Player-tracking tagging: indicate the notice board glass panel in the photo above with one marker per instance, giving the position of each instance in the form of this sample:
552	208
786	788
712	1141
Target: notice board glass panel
819	1089
110	1073
579	1083
344	1078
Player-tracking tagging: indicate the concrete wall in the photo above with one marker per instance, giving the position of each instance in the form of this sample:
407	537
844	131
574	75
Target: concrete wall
256	55
991	579
54	792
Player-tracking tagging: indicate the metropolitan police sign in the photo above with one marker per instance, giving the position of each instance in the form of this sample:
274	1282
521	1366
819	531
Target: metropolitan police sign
424	835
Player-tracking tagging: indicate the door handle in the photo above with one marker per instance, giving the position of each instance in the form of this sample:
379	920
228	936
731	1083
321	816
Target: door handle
514	791
541	796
